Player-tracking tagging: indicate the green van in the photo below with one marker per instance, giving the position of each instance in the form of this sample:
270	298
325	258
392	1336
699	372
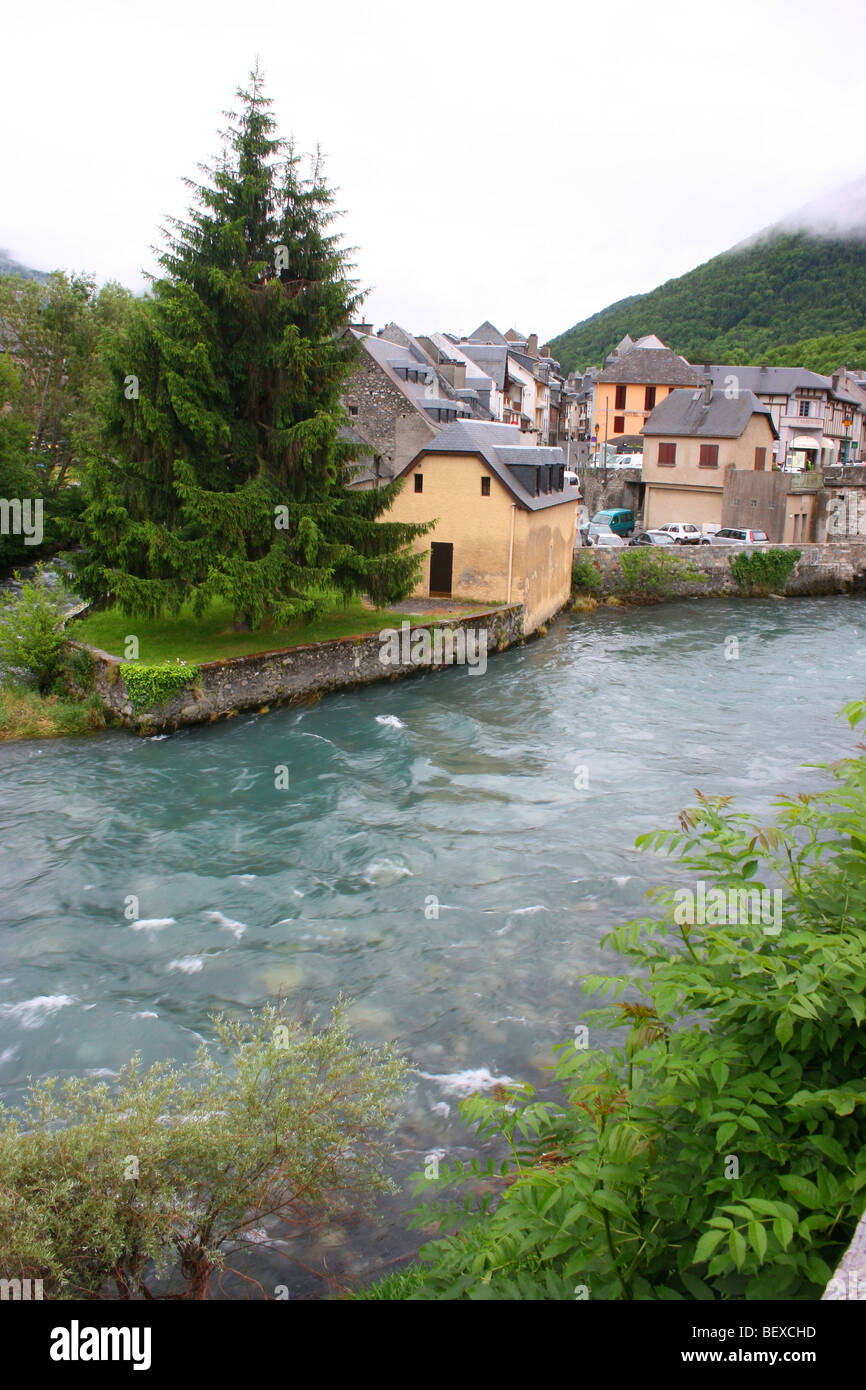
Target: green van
619	519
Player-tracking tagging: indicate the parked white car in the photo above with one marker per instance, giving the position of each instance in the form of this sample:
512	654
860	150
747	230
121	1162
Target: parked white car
739	535
684	533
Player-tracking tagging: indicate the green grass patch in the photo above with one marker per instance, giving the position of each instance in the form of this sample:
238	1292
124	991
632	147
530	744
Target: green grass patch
24	713
211	637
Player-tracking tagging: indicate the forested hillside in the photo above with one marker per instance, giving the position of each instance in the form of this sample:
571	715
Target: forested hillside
740	306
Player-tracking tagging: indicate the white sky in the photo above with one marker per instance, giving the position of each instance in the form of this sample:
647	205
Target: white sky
527	163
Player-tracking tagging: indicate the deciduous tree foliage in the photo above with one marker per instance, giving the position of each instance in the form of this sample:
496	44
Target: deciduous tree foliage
222	470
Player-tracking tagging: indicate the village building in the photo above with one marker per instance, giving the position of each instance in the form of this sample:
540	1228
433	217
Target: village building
690	438
635	379
528	377
820	422
505	519
399	398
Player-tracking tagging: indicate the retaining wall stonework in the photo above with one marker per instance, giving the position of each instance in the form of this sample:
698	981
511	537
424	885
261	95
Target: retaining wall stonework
834	568
268	678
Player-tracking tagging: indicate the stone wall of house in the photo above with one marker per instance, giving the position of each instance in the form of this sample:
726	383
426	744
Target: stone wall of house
271	678
385	417
611	487
834	568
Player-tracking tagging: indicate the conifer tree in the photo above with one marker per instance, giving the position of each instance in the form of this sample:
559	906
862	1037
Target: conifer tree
223	472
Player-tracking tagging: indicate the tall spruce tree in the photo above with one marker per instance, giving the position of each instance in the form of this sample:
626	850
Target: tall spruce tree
223	472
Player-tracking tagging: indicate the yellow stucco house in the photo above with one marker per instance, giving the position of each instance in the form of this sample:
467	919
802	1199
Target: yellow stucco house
634	380
689	441
505	519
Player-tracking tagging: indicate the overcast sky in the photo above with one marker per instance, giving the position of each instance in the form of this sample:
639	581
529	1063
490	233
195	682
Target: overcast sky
527	163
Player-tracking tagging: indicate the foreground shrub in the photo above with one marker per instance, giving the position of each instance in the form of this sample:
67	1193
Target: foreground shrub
32	642
585	576
764	571
719	1152
171	1168
650	573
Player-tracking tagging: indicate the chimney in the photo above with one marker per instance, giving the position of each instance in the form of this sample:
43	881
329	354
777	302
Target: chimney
365	328
545	351
835	381
708	390
532	345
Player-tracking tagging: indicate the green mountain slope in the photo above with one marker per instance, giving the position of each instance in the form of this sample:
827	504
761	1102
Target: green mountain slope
779	289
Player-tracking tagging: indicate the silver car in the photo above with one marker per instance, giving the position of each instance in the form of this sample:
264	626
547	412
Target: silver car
738	535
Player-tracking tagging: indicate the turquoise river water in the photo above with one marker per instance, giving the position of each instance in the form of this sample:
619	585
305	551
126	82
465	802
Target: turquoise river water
451	786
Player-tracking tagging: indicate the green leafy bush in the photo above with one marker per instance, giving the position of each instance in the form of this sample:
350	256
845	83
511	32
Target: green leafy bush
101	1190
718	1152
764	571
585	576
32	643
650	573
154	685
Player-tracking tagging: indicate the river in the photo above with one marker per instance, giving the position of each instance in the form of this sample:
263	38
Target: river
505	804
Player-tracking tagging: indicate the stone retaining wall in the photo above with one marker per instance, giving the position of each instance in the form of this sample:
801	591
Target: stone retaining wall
822	569
267	678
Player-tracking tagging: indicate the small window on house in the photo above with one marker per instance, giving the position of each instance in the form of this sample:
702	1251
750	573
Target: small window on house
754	501
805	407
760	460
649	398
485	487
709	457
667	455
619	403
619	424
353	407
419	482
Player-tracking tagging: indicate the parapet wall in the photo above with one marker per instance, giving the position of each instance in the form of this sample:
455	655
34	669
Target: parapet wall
223	688
833	568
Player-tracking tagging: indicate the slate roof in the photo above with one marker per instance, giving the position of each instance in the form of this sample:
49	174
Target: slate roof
490	358
777	381
496	444
684	412
486	333
651	366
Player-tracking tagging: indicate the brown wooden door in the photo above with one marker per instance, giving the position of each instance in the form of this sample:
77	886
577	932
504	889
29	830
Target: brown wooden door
441	567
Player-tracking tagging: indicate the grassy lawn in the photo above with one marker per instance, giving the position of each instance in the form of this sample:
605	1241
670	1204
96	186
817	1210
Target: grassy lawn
211	638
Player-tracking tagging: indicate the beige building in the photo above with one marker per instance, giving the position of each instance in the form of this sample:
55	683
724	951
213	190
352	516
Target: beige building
505	519
690	439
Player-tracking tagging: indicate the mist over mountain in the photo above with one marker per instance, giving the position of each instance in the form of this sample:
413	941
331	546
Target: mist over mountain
9	266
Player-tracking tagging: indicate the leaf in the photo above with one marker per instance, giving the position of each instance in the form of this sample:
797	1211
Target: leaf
784	1029
737	1247
707	1244
758	1239
830	1147
719	1072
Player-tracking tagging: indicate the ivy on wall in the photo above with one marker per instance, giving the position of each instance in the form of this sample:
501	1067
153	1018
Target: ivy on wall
764	572
154	685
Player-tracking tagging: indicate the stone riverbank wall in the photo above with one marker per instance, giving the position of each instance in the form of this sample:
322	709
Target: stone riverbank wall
834	568
223	688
